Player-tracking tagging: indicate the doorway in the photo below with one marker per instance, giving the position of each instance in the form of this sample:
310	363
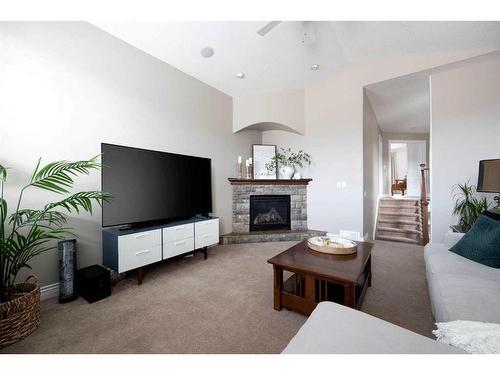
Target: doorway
405	157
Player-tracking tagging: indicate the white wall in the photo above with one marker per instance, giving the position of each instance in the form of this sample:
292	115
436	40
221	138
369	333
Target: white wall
67	87
465	128
334	123
282	110
371	132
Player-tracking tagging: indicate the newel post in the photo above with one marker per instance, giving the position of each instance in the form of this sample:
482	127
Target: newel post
424	205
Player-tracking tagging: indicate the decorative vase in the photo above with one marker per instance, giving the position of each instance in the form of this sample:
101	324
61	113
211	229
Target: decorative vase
286	172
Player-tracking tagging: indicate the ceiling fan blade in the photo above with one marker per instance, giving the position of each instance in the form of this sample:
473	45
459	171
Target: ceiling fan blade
268	27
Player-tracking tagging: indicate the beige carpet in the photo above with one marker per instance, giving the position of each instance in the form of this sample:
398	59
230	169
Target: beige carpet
221	305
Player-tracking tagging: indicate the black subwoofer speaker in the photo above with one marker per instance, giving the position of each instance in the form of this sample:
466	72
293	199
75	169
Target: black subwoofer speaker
94	283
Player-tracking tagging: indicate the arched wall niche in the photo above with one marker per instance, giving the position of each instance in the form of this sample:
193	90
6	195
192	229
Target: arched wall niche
265	126
282	110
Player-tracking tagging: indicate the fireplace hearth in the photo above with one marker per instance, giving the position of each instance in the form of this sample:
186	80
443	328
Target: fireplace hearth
269	212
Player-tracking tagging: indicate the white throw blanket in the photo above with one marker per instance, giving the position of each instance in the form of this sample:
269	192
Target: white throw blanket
473	337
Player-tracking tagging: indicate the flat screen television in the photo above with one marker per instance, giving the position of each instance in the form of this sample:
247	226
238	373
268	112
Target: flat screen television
150	187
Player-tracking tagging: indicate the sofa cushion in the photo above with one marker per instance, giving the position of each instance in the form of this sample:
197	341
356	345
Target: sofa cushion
337	329
481	243
461	289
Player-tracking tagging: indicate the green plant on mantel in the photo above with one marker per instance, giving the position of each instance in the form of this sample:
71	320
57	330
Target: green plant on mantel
288	157
26	233
467	206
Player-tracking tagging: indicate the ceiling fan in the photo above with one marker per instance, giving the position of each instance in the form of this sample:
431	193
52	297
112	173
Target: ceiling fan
308	35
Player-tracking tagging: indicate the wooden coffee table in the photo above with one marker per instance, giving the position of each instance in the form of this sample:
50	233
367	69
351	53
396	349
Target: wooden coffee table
320	277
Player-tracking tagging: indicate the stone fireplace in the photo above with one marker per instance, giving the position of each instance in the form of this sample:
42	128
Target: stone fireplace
269	210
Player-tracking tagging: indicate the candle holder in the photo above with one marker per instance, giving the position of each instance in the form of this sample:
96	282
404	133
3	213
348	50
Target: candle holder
248	172
240	170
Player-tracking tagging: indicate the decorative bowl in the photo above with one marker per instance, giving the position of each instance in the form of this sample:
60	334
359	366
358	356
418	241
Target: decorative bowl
332	245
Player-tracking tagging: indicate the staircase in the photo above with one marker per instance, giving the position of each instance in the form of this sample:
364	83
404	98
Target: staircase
399	220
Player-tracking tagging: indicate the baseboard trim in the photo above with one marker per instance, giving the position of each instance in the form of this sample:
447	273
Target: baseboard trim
49	291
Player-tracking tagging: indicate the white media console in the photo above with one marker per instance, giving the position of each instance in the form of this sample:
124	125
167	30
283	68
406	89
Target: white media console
132	249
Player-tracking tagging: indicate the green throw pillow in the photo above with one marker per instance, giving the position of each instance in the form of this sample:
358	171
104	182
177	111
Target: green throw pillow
482	242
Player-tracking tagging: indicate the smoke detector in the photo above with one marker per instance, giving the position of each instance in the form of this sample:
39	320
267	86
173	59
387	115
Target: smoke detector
207	52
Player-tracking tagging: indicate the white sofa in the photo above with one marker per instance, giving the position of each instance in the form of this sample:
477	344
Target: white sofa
336	329
459	288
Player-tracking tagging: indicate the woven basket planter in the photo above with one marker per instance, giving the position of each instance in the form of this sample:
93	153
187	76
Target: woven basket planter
20	316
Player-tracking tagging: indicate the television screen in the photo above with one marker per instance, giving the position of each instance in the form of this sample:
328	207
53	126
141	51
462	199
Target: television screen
151	186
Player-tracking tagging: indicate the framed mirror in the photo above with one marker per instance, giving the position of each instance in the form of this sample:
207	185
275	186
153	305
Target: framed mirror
262	155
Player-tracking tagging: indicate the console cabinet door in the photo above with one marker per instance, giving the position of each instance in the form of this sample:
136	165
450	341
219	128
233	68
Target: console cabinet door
206	233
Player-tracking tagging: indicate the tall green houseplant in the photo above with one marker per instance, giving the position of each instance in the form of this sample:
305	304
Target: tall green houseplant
26	232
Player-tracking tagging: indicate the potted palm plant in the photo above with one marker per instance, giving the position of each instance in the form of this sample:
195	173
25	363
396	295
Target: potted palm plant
468	207
26	233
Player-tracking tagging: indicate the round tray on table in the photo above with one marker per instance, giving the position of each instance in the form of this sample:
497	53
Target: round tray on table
332	245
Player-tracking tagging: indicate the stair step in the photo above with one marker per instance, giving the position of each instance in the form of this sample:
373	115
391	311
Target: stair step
394	221
389	199
400	204
399	226
400	200
393	205
397	210
398	239
390	204
409	214
399	230
414	236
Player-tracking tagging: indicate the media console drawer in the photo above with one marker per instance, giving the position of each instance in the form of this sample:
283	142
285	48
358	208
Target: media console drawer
129	259
178	232
206	239
206	227
171	249
140	240
206	233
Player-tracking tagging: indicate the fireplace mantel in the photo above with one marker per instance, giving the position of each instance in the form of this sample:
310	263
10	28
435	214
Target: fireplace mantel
243	181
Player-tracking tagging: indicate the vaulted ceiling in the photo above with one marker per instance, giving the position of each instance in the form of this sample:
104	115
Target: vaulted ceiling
282	59
402	104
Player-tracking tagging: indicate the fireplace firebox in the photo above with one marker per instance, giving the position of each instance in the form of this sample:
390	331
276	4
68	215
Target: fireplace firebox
269	212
